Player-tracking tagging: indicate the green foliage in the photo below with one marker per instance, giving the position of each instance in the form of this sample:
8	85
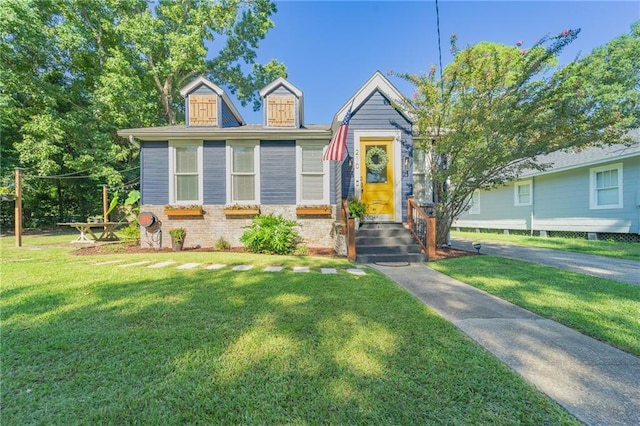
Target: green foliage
131	231
357	208
74	72
178	234
222	244
271	234
497	108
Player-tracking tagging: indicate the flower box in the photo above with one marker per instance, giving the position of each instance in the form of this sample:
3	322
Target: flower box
235	212
190	211
313	211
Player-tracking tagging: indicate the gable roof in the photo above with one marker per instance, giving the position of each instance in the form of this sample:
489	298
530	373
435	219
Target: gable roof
567	160
280	81
377	82
201	81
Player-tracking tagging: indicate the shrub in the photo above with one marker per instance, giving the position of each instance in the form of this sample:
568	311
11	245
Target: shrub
271	234
222	244
357	208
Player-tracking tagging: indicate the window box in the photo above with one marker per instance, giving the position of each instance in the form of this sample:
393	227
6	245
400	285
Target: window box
183	211
313	211
242	211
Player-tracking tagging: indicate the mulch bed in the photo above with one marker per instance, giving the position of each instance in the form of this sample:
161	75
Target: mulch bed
130	248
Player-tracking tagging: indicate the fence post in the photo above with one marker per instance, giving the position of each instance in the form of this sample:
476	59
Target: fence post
409	213
351	239
431	237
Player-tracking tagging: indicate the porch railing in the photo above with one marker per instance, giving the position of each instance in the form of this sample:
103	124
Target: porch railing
423	227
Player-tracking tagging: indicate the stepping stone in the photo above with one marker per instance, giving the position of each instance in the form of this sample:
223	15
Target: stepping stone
188	266
109	262
354	271
242	267
328	270
273	269
215	266
300	269
161	264
144	262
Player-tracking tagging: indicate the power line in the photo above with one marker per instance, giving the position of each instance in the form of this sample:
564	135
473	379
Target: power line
67	175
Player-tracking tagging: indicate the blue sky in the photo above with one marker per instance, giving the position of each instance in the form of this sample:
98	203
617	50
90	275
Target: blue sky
331	48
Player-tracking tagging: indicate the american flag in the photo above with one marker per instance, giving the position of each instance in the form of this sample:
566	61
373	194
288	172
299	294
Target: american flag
338	143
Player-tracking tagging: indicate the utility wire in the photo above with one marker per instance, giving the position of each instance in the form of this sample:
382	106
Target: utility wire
67	175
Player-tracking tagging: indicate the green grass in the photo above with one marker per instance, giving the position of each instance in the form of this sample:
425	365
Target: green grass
605	310
87	344
602	248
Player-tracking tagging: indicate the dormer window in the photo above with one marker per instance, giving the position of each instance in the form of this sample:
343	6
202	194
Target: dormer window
281	111
282	103
208	105
203	110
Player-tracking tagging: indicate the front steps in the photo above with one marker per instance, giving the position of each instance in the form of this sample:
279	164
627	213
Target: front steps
386	242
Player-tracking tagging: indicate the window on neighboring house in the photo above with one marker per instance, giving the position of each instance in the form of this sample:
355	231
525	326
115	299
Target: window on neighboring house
186	173
313	174
474	206
523	193
243	162
606	186
422	191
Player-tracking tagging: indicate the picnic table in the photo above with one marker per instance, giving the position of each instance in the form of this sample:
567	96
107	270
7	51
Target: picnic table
86	228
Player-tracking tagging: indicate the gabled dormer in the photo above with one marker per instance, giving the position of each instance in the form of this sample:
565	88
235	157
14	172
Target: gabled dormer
206	104
282	105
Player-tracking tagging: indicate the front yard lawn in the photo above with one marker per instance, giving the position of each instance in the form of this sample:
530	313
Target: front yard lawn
87	344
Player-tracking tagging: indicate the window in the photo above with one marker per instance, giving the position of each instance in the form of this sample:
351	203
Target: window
243	163
185	169
421	183
522	193
474	206
606	187
313	174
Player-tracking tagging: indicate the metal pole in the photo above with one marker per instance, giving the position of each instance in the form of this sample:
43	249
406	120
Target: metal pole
18	211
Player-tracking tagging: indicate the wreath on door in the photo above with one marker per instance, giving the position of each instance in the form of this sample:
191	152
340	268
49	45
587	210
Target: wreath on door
377	159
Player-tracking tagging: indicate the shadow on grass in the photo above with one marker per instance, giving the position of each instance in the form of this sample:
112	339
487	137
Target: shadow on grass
252	347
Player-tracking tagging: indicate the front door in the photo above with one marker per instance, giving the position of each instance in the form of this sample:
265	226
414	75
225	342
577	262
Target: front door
376	166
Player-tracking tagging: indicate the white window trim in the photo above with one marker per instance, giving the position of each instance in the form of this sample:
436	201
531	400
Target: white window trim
172	166
256	169
593	199
325	180
516	197
474	205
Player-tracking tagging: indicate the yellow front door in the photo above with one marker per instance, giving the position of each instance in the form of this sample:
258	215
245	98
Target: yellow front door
376	165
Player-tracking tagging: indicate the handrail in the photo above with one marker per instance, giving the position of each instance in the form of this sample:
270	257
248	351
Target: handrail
423	227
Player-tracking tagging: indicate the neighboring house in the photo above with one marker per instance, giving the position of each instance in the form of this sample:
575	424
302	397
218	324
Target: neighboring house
224	166
594	192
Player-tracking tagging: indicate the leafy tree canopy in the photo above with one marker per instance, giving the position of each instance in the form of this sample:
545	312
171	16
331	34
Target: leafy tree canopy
497	108
73	72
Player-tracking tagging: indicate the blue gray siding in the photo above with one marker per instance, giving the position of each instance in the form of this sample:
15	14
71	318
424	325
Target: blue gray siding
278	172
561	203
215	172
377	113
154	173
228	120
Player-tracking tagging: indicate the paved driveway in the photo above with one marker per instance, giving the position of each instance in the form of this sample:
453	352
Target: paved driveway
627	271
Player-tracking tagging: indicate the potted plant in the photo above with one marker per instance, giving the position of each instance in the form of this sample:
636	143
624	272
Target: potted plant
177	238
357	210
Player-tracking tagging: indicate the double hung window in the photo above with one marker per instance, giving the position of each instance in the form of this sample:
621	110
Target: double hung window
243	164
185	169
313	174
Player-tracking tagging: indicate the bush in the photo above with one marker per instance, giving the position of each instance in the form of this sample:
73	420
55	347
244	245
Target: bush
222	244
271	234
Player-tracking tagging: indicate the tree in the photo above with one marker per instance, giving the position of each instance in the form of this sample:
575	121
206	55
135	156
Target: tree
497	108
73	72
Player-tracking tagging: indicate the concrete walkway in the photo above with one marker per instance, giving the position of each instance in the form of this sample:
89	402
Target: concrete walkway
598	384
627	271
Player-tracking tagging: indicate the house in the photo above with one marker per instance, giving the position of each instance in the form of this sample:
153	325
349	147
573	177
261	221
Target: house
594	192
230	170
